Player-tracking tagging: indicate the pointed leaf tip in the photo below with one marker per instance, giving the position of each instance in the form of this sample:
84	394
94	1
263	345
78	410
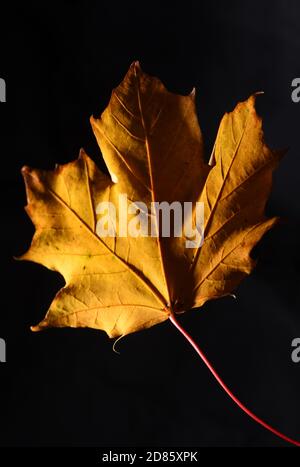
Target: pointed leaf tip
193	93
25	170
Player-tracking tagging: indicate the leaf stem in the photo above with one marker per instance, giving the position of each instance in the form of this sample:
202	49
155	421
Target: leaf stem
226	388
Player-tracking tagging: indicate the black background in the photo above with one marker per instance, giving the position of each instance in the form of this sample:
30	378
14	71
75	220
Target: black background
67	387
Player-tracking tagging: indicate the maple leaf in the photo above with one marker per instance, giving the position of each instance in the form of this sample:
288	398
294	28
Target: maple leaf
152	145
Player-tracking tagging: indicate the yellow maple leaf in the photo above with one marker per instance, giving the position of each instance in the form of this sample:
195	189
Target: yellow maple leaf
152	145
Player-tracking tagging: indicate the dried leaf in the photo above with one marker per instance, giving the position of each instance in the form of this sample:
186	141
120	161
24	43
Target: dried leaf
152	145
